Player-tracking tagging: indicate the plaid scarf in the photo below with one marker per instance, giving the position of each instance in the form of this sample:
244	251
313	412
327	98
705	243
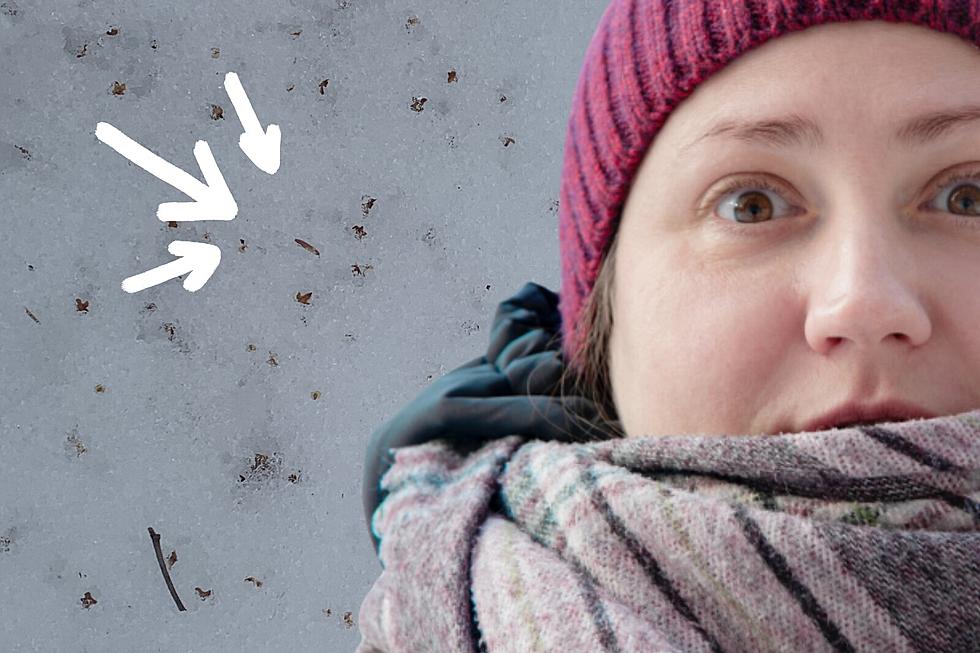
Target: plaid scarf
855	539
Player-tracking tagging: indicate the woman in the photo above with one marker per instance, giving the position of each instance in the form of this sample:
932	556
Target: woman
767	316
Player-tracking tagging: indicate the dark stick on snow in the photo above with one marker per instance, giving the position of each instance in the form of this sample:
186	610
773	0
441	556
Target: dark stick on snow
163	568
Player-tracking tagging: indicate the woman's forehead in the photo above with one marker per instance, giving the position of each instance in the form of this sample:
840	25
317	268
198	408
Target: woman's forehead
903	84
794	129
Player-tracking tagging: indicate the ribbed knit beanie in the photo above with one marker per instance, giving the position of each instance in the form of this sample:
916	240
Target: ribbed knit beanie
643	59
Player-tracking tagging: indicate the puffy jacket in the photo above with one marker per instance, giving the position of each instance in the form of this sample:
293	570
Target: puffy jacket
510	390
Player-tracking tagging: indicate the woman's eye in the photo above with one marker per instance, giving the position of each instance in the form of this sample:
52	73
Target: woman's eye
960	198
749	202
756	200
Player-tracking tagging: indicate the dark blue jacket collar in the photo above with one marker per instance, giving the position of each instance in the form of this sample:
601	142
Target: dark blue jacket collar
510	390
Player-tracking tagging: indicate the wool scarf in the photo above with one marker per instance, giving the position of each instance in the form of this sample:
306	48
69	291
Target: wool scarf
855	539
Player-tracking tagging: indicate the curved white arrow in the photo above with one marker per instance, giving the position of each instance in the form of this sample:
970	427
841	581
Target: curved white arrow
261	147
200	259
211	202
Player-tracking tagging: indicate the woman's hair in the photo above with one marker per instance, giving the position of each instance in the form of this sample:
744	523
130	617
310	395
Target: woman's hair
588	376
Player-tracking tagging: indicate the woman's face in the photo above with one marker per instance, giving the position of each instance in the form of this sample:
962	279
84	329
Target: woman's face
852	274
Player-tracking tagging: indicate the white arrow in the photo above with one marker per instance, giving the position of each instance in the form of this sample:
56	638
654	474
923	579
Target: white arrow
200	259
212	201
261	147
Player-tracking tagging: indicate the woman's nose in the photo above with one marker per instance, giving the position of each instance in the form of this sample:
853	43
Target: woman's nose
863	286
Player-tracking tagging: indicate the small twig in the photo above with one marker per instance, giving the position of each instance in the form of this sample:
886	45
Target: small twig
163	568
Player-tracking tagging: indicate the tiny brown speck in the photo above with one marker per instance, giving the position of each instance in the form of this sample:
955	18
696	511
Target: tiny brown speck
112	31
308	247
81	51
99	387
255	580
88	600
272	360
327	611
503	98
323	85
294	476
451	77
24	152
417	103
154	44
250	347
359	231
81	306
290	87
217	113
315	394
118	88
215	53
304	298
348	619
76	444
411	22
243	246
260	461
359	270
202	593
367	203
296	33
171	559
31	315
171	224
507	140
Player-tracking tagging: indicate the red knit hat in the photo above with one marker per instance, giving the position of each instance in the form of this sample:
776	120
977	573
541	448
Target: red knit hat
644	58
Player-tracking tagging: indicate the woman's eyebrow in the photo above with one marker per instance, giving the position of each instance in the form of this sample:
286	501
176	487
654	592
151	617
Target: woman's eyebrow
794	130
